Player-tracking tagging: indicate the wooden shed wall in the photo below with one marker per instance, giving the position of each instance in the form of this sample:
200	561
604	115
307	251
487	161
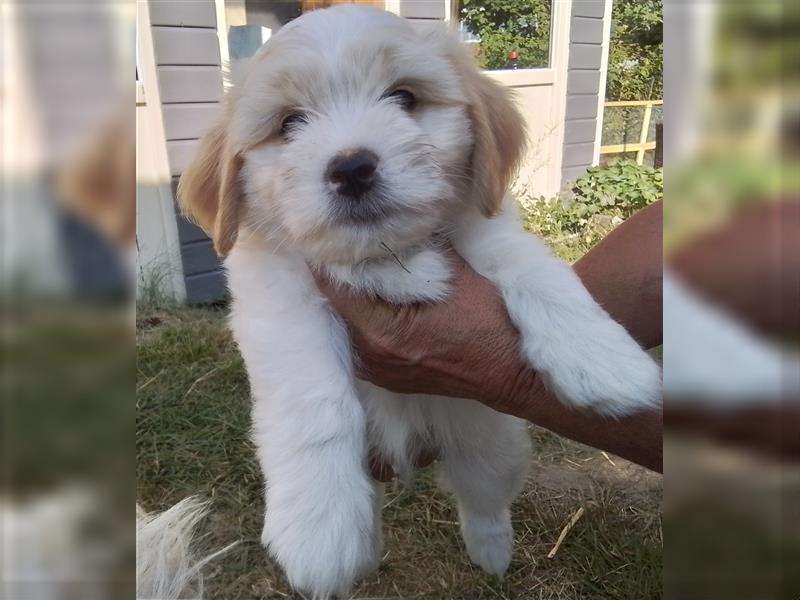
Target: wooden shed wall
584	80
188	65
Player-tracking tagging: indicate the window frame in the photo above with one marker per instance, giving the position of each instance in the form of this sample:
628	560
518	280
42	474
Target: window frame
536	75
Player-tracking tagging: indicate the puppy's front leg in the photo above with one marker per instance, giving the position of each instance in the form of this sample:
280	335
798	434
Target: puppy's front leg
308	425
584	356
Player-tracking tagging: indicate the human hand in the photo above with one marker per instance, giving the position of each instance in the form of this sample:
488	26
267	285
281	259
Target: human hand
464	347
467	346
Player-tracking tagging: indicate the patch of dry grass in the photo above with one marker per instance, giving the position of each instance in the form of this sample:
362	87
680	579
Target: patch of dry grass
192	438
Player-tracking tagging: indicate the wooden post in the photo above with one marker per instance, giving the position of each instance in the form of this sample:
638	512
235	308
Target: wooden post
658	160
648	112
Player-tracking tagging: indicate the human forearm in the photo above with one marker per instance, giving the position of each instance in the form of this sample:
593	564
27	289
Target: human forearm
636	438
623	273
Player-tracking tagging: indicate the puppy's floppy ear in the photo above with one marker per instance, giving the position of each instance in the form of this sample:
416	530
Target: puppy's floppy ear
209	191
499	132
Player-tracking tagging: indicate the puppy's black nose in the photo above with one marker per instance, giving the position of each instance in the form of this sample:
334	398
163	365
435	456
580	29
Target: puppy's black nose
353	173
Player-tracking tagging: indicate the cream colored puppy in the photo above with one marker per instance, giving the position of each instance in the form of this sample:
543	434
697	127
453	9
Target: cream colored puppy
357	144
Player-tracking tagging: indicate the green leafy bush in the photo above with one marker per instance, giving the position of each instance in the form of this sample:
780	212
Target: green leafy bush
622	188
636	51
597	202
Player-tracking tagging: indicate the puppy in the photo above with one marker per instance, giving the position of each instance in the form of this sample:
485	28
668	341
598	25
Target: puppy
354	143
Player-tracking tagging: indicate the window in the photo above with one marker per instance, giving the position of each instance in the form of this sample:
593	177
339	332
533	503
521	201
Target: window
507	34
252	22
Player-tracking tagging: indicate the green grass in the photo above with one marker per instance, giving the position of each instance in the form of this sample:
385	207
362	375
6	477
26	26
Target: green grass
192	438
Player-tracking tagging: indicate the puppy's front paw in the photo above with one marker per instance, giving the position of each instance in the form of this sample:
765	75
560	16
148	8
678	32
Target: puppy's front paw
606	371
323	555
488	539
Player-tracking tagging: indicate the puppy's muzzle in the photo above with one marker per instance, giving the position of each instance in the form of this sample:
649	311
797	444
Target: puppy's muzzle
353	173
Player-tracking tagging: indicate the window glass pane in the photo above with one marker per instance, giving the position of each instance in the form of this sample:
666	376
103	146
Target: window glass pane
507	34
252	22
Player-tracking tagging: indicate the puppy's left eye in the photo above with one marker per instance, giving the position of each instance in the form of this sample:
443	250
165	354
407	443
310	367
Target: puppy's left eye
292	121
404	98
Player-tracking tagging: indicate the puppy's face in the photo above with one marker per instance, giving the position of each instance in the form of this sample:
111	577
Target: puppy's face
351	132
356	131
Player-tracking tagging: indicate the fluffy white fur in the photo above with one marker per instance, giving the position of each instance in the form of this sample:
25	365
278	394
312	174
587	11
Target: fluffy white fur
444	167
167	567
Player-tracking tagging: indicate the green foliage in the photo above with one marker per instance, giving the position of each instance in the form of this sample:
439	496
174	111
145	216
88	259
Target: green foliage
623	188
507	25
599	201
636	51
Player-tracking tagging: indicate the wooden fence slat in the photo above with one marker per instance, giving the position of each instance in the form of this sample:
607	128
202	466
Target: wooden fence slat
648	111
622	148
634	102
643	145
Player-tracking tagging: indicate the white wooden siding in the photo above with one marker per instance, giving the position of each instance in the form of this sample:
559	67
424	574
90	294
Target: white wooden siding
183	13
157	240
189	53
180	155
190	84
189	121
185	46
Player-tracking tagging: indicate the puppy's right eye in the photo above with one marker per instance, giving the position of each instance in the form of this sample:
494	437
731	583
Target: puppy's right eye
404	98
292	121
